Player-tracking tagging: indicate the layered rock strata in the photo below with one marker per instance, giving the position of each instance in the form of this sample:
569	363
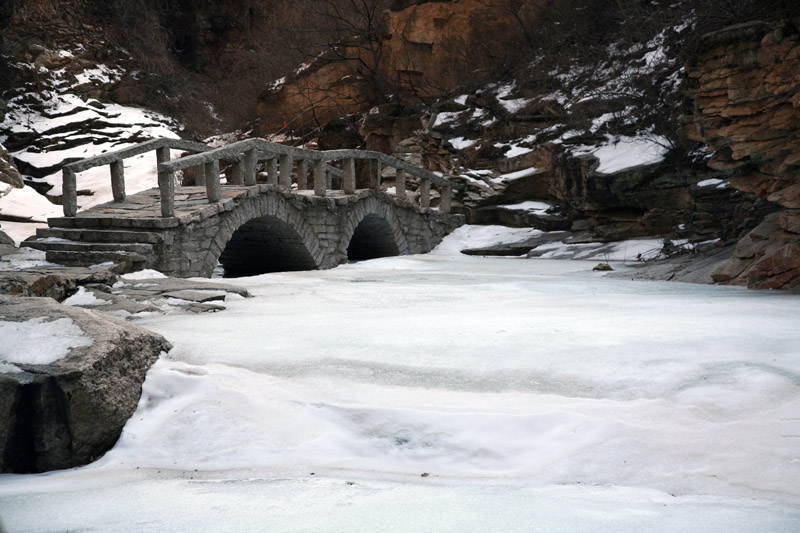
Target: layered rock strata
746	91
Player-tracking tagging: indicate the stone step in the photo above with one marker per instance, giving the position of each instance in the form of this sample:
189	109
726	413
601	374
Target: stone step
128	260
74	246
100	235
108	222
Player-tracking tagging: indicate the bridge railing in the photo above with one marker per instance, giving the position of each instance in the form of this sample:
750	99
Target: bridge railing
243	157
116	159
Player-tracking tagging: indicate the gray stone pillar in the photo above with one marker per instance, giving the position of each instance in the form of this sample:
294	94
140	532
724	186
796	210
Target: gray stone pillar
302	174
349	184
447	196
236	176
376	174
400	184
69	190
250	158
425	193
272	171
286	172
320	178
212	181
199	176
118	181
166	184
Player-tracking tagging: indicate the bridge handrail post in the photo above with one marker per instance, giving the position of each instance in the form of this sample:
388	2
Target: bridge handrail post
447	198
118	180
200	176
424	193
272	171
375	181
237	173
302	174
320	178
69	191
250	159
211	171
286	171
400	184
349	181
166	184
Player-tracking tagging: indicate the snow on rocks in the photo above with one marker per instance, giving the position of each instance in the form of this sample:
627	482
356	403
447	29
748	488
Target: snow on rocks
73	377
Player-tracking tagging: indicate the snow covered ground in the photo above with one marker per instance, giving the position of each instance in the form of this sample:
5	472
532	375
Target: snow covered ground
453	393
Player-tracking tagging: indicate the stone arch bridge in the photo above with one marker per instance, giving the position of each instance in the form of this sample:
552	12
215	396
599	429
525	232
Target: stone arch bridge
292	222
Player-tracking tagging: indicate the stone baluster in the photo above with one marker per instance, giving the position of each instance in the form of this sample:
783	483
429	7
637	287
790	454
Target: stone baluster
447	197
199	176
376	174
286	172
236	176
166	184
118	180
69	190
302	174
400	184
320	178
349	184
212	181
272	171
250	158
425	193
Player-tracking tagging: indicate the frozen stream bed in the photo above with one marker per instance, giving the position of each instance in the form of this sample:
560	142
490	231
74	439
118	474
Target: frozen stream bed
453	393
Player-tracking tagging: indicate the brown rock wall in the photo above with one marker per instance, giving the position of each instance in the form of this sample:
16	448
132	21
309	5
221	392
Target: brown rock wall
745	81
430	48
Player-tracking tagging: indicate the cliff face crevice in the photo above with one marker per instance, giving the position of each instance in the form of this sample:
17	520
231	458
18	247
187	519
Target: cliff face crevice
746	91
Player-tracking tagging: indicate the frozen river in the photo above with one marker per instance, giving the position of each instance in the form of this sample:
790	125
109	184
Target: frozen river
453	393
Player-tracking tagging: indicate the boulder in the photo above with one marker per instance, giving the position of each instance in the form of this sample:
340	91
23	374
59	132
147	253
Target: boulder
65	397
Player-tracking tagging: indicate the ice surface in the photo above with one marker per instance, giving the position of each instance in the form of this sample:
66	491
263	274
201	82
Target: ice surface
39	341
536	395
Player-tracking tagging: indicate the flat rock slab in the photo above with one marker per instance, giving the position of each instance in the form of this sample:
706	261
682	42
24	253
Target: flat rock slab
195	296
64	405
520	247
689	268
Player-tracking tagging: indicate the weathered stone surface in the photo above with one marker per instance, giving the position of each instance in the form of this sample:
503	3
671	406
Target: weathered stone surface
71	411
520	247
8	170
689	268
429	49
747	108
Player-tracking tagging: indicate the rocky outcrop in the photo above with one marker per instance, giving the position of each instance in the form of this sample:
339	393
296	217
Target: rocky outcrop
428	50
66	412
744	83
9	175
434	47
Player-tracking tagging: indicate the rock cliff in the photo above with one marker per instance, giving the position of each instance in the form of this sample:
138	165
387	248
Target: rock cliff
427	50
746	91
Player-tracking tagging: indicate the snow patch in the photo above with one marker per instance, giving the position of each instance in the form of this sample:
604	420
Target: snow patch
39	341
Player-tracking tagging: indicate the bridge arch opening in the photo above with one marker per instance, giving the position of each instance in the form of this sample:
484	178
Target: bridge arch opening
262	245
372	238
